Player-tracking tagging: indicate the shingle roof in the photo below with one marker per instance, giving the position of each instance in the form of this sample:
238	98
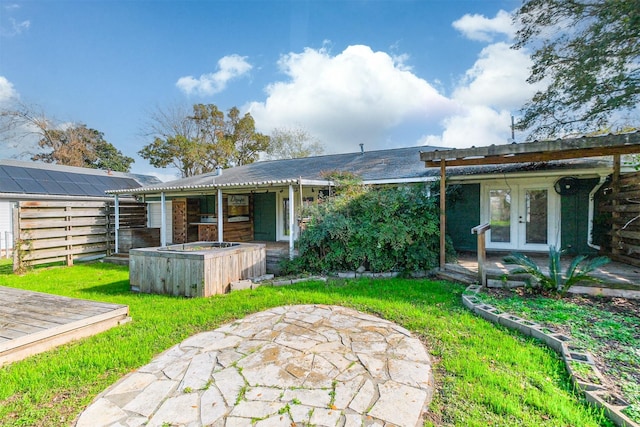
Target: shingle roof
378	166
398	163
17	177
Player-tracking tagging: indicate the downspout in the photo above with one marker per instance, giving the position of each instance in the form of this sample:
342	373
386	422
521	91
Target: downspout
592	194
116	208
163	220
291	218
220	214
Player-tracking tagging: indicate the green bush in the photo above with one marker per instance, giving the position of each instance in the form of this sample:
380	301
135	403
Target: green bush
382	229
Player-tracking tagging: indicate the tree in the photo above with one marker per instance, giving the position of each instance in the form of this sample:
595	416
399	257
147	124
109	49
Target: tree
589	52
198	143
246	142
63	144
293	144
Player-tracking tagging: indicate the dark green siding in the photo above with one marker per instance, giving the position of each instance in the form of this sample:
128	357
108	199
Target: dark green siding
264	215
574	223
463	213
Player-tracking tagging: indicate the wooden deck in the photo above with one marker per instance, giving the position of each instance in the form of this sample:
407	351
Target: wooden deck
33	322
617	279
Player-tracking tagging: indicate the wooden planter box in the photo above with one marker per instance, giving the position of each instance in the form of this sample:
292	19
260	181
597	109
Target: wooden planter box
196	269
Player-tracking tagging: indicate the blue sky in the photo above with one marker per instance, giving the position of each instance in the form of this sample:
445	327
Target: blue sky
383	73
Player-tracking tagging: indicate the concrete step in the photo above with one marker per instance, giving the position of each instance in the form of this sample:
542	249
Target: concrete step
115	259
457	276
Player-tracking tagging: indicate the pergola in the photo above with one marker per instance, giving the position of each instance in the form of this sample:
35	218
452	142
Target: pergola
529	152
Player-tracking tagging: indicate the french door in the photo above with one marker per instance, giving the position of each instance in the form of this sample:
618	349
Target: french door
522	217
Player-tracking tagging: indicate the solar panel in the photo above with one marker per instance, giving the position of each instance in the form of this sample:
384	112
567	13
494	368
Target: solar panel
14	179
29	185
52	187
8	185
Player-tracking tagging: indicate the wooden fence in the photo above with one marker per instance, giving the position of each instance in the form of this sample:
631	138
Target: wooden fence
64	231
623	203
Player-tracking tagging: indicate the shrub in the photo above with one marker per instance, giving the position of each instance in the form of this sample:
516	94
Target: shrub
579	269
382	229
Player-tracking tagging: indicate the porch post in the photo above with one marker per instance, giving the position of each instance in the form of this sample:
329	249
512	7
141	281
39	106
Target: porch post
116	209
615	201
443	216
291	214
220	217
163	220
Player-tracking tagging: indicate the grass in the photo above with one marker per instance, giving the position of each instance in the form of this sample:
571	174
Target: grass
486	375
611	335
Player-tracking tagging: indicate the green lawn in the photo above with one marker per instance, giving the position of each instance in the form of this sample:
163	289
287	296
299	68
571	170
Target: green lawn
486	375
608	330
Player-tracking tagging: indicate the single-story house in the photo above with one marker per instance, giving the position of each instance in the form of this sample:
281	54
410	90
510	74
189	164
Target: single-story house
530	205
30	181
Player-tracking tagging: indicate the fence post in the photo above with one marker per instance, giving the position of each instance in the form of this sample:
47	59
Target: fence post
17	237
480	230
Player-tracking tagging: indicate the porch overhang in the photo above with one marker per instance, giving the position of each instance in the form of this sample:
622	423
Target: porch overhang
536	151
198	189
528	152
168	191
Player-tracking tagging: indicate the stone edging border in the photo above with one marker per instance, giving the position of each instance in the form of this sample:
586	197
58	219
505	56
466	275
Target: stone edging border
577	360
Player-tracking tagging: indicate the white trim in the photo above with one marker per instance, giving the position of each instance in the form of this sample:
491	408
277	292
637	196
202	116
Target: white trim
517	189
292	213
163	220
116	208
591	173
220	213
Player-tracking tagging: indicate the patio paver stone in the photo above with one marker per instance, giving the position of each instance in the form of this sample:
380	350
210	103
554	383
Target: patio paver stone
288	366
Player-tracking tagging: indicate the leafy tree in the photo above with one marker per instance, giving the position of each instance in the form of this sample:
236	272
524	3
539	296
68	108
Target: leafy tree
67	144
293	144
247	144
589	52
80	146
198	143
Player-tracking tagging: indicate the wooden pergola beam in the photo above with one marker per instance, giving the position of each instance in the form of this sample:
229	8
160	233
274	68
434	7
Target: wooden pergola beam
537	151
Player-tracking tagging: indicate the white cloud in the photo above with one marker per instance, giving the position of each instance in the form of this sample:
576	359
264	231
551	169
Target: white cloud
477	126
7	91
9	26
229	67
481	28
359	95
355	96
492	90
18	27
497	79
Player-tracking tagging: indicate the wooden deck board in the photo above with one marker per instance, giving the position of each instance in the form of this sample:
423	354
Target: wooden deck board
33	322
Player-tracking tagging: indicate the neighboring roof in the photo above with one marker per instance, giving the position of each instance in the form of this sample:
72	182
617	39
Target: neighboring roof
31	178
380	166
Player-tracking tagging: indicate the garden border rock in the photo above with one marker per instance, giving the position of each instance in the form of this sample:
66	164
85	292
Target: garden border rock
575	358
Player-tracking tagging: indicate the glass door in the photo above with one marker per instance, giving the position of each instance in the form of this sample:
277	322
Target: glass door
522	217
500	217
534	220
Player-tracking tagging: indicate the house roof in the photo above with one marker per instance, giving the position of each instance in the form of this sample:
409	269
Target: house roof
31	178
380	166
